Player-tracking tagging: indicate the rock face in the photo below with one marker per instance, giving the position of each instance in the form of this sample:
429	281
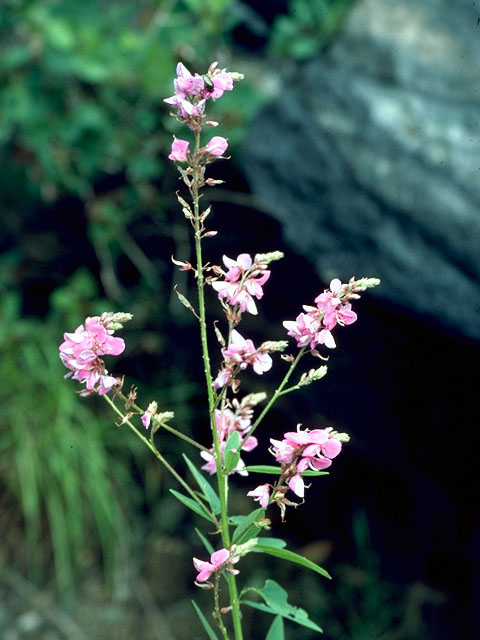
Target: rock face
370	157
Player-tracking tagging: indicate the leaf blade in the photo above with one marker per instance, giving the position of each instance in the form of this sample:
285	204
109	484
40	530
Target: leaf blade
206	488
191	504
290	556
206	625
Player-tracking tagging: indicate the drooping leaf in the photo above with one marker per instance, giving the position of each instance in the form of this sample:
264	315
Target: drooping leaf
206	625
207	489
191	504
285	554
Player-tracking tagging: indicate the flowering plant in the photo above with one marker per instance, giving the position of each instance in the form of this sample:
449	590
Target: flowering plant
299	454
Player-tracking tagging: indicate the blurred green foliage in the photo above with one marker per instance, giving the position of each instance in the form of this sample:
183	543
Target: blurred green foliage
307	27
55	455
82	116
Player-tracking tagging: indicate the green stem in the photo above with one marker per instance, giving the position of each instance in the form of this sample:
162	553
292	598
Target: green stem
164	425
222	479
278	392
159	456
218	613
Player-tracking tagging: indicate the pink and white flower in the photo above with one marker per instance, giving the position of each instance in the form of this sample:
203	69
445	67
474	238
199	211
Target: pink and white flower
261	494
243	282
217	146
81	352
218	561
333	307
179	151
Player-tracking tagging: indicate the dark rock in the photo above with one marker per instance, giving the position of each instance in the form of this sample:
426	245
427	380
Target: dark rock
370	157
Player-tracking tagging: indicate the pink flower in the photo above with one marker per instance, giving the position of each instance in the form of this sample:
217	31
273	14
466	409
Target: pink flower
241	352
333	307
222	81
261	494
297	485
226	422
304	329
303	449
243	282
218	560
186	84
217	146
80	352
179	151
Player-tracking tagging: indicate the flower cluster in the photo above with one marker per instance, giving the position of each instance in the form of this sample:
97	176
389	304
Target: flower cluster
243	282
218	562
333	307
228	421
296	452
215	147
192	91
237	356
81	351
303	449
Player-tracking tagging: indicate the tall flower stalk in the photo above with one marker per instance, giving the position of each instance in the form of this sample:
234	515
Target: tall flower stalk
239	286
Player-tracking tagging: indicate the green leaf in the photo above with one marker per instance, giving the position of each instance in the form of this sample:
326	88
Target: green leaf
206	543
264	468
232	451
276	603
210	632
205	486
270	469
274	542
277	630
248	526
285	554
191	504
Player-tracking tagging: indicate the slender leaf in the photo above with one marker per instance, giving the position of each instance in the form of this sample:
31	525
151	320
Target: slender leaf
205	541
285	554
277	630
210	632
273	542
207	489
191	504
272	470
232	451
248	527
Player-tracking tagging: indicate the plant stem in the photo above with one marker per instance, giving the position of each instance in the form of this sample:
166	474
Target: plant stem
164	425
278	392
222	479
159	456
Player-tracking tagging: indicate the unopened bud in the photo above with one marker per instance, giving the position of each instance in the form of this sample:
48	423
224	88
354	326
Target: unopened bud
265	258
115	321
365	283
274	345
239	550
235	76
211	182
209	234
342	437
313	375
255	398
165	416
211	123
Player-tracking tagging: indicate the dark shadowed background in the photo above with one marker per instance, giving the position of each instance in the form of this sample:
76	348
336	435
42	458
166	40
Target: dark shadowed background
355	150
